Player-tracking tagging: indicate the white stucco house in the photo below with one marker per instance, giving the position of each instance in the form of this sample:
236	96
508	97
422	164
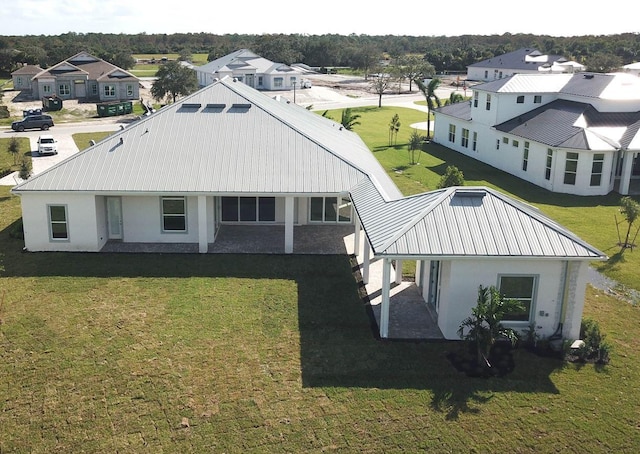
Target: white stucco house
251	69
230	157
632	68
569	133
82	76
521	61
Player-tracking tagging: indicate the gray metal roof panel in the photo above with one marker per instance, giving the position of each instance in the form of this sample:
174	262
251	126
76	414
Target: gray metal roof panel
270	147
460	110
517	60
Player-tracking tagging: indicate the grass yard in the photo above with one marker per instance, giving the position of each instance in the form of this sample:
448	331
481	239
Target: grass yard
193	353
7	161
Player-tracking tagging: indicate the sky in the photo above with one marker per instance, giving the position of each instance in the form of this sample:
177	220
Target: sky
318	17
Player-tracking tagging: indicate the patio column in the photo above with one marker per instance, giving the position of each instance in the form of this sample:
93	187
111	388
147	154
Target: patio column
288	224
203	240
384	306
365	262
356	237
398	271
627	167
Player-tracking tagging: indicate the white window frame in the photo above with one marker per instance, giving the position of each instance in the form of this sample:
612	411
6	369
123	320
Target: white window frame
46	89
52	222
341	202
64	89
571	168
537	99
531	299
525	156
129	90
164	215
598	161
475	141
278	82
452	133
465	138
488	104
548	164
109	91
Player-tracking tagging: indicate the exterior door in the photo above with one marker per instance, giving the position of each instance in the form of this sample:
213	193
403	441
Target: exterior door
81	90
250	80
114	218
434	283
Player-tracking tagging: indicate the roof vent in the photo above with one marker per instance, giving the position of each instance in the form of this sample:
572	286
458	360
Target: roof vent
240	106
588	76
479	193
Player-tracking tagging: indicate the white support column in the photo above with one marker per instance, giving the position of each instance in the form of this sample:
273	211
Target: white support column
384	306
366	262
356	237
627	167
203	239
288	224
398	271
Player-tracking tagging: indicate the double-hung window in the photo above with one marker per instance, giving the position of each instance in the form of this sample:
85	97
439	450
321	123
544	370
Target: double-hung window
58	223
488	105
521	288
571	168
174	214
452	133
549	162
596	169
64	89
109	91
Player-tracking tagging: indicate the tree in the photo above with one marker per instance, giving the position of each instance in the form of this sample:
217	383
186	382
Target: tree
630	210
415	67
452	177
174	80
349	119
455	97
25	170
394	127
415	144
484	327
380	84
14	149
429	92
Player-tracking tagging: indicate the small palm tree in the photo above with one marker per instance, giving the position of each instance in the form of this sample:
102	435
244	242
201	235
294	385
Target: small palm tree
630	210
429	92
415	144
349	119
484	327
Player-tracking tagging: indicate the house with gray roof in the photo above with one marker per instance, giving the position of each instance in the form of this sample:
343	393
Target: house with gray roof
251	69
82	77
22	78
569	133
521	61
231	159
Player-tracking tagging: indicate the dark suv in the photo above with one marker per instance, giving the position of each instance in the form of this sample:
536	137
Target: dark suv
43	122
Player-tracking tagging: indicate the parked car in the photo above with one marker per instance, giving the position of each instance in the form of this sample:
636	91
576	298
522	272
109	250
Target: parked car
47	145
43	122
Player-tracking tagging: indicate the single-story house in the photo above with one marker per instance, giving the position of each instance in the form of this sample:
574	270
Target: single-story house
521	61
82	77
230	157
251	69
569	133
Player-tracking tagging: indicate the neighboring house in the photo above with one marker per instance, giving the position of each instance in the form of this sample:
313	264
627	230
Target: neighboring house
253	70
85	78
230	156
23	78
522	61
569	133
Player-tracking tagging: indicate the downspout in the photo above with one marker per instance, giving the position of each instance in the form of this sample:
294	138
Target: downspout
563	303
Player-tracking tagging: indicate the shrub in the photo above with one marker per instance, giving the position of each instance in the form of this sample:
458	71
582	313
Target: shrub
595	349
451	177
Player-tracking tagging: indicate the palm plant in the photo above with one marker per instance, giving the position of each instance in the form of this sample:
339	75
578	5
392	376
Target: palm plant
429	92
349	119
484	327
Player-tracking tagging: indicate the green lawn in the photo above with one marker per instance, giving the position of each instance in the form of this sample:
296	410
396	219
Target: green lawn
9	163
110	353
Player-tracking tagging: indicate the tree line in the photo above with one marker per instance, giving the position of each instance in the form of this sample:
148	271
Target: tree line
446	53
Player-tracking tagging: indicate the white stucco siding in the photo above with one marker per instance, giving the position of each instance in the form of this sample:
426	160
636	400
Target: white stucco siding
81	222
576	289
460	279
102	233
142	221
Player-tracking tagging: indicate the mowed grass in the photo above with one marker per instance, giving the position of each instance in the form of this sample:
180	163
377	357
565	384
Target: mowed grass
226	353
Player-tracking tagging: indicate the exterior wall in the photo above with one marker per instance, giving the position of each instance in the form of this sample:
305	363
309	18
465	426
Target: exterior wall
120	91
459	293
478	73
81	222
576	289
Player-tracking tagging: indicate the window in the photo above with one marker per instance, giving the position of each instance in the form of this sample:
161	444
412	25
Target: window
129	90
520	99
452	133
46	89
547	169
248	209
475	141
596	169
571	168
475	98
58	228
521	288
260	81
330	209
174	214
465	138
525	156
94	89
64	89
515	143
277	82
497	144
293	80
486	74
109	91
537	99
19	81
505	140
488	101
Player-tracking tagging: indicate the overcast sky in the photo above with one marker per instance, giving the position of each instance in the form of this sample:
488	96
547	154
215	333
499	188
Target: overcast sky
317	17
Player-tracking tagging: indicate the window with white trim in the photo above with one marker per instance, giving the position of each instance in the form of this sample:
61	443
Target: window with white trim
452	133
109	91
549	162
596	169
277	82
465	138
521	288
330	209
58	223
248	209
129	90
488	106
525	156
537	99
571	168
475	141
174	214
46	89
475	99
515	143
64	89
520	99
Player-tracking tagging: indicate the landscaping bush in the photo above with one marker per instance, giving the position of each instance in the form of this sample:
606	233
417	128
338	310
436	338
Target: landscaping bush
595	349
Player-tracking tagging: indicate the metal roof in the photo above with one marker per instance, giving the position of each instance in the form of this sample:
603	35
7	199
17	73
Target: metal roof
463	222
86	64
225	138
244	59
526	83
460	110
521	59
